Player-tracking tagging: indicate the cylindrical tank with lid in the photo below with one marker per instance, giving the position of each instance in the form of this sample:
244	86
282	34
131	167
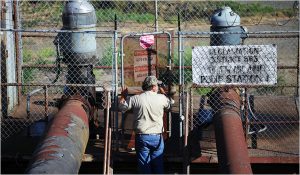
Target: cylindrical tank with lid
78	46
225	20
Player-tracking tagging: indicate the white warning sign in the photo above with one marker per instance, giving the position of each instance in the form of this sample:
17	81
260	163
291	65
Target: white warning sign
235	65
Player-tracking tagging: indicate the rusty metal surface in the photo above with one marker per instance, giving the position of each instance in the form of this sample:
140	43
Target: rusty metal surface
231	146
62	149
107	139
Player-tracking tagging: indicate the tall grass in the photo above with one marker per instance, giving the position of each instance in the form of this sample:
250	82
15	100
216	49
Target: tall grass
39	13
108	15
49	12
42	56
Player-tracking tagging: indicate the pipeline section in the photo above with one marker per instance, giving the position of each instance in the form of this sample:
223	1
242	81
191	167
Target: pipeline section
62	149
231	145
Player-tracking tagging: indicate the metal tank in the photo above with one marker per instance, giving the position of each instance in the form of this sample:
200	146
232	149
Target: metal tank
225	20
78	47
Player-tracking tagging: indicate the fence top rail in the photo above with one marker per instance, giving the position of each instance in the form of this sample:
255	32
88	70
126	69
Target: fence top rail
238	86
56	31
56	85
240	32
147	33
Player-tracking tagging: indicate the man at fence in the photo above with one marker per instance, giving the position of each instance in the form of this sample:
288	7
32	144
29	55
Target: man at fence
148	108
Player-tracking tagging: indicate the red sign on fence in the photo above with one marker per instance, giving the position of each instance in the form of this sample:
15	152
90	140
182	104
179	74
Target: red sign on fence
146	41
141	65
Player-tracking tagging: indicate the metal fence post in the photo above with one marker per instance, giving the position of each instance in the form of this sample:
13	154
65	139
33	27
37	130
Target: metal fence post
186	156
156	16
180	50
115	57
106	136
17	47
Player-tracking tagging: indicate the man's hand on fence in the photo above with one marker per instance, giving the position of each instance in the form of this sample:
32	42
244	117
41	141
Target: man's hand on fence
124	94
162	90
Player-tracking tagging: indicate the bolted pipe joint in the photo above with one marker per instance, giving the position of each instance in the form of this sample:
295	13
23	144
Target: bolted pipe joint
225	99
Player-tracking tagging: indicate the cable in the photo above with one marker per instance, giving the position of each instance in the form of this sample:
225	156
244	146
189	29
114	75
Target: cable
295	7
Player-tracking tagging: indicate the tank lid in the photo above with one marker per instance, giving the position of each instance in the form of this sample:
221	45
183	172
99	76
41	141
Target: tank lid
225	17
78	6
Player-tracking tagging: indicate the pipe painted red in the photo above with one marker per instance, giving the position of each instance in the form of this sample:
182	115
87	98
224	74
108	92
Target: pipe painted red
231	145
62	149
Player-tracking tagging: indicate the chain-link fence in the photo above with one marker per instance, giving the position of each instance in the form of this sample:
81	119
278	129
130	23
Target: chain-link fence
265	70
147	16
49	71
35	62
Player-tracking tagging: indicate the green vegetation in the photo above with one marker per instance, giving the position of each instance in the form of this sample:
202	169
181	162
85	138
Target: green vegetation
107	58
187	54
28	74
187	58
27	55
49	12
140	12
202	91
35	13
255	8
46	53
107	15
39	57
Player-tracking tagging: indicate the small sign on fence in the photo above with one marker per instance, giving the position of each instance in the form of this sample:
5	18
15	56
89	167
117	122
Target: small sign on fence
234	65
141	65
146	41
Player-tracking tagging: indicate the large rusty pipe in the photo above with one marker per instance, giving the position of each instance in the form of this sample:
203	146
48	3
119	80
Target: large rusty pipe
61	150
231	145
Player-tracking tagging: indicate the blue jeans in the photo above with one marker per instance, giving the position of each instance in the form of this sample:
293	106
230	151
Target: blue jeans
149	152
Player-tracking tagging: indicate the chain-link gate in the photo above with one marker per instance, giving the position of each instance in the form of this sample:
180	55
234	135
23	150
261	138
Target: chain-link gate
270	114
139	60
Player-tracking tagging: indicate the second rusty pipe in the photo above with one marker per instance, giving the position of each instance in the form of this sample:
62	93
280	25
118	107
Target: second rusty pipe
61	150
231	145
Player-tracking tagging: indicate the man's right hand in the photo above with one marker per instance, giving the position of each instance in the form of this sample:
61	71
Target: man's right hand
162	90
124	92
